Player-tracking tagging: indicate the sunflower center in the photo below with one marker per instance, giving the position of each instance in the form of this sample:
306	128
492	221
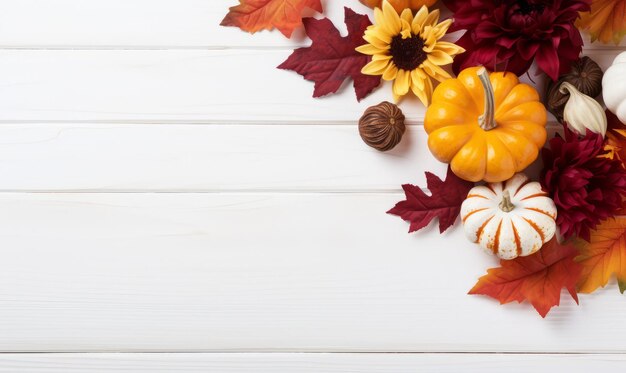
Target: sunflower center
407	53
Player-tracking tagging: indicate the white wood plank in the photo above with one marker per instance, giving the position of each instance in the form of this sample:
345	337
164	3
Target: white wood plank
175	85
309	363
138	24
143	24
127	157
260	272
149	157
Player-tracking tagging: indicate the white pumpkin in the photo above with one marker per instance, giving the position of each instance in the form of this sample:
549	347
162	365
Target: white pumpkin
614	87
510	219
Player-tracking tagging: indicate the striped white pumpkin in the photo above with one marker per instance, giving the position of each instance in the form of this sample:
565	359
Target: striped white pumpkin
510	219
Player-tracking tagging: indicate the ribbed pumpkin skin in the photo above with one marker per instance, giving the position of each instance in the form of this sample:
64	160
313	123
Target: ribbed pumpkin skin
519	232
475	154
614	87
400	5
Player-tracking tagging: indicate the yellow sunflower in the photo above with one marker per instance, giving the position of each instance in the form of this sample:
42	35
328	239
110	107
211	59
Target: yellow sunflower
407	49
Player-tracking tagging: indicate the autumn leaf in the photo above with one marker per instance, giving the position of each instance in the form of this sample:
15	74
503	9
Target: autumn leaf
537	278
606	21
444	202
332	58
257	15
604	256
615	137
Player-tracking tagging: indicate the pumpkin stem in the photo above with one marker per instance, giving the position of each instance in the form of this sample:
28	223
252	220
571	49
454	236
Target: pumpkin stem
506	205
487	121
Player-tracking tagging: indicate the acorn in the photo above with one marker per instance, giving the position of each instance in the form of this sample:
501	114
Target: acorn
382	126
585	75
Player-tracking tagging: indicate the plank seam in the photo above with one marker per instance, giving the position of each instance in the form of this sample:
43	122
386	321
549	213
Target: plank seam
288	352
80	47
183	122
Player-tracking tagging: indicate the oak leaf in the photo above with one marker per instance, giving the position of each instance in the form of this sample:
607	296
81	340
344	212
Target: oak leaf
604	256
444	202
537	278
332	58
257	15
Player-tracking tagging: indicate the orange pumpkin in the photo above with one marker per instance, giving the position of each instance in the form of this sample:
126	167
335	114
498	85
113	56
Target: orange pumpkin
487	126
400	5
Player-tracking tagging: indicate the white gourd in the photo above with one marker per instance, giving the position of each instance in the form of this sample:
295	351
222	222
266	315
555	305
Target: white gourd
582	113
614	87
509	219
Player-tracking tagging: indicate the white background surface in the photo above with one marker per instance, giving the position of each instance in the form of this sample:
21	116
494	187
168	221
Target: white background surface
164	189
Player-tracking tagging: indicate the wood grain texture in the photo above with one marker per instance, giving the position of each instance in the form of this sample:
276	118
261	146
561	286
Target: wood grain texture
260	272
308	363
207	86
146	24
286	248
136	24
238	157
150	157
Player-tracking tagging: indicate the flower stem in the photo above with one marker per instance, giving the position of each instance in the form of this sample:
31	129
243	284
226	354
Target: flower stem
506	205
487	121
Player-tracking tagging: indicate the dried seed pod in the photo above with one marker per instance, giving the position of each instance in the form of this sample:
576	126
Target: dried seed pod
585	75
382	126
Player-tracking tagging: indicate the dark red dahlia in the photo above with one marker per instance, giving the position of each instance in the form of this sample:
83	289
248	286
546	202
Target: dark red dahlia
586	186
509	34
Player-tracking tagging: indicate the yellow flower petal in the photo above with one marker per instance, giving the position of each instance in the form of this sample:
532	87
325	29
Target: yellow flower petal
369	49
435	71
376	41
439	58
379	18
449	48
432	19
420	72
391	72
406	30
375	67
421	86
421	95
441	29
417	81
391	19
418	20
380	34
430	38
428	91
407	15
402	84
381	57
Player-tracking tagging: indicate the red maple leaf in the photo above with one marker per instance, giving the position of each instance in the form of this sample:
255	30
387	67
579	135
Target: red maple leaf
257	15
537	278
332	58
444	202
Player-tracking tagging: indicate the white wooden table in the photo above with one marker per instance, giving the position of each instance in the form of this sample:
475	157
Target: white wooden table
163	188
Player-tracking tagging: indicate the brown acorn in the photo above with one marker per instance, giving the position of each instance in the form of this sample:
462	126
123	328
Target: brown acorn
382	126
585	75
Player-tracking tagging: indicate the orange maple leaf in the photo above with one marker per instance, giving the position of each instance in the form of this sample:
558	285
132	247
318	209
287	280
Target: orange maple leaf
615	138
257	15
604	256
606	21
537	278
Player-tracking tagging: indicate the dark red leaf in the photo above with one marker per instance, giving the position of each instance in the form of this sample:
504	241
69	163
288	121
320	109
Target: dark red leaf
332	58
444	202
